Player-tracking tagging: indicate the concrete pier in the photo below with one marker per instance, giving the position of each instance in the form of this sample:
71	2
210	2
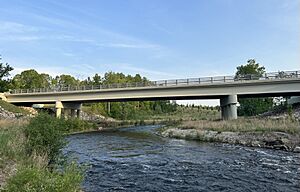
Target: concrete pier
78	113
72	113
74	107
58	108
228	107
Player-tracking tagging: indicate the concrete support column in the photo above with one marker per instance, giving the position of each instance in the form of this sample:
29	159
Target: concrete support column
65	113
58	107
78	113
72	113
228	107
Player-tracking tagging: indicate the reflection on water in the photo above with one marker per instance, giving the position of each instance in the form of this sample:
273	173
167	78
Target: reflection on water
135	159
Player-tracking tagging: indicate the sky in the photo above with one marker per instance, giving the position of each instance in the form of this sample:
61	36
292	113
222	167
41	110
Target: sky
158	39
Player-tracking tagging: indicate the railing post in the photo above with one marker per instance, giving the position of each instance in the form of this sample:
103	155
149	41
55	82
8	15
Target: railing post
199	80
212	79
166	82
176	82
187	81
224	79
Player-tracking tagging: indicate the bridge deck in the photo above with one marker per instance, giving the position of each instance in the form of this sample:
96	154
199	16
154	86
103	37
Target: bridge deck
203	81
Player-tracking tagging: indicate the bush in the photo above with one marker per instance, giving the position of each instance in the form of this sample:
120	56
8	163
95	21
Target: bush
36	179
45	136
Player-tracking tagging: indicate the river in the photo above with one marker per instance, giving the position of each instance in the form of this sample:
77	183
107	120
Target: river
136	159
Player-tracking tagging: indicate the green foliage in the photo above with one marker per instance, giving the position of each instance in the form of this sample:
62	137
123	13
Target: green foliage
251	68
12	108
30	149
66	80
45	136
4	73
30	79
36	179
11	142
254	106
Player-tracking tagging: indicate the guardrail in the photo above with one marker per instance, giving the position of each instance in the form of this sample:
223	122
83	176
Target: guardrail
164	83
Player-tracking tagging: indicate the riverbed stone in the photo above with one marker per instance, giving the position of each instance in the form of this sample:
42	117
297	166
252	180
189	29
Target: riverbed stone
297	149
273	140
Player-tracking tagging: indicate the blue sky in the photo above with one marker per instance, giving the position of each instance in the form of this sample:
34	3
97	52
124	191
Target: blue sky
158	39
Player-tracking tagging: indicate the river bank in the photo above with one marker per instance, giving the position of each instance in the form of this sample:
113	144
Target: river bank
30	155
281	134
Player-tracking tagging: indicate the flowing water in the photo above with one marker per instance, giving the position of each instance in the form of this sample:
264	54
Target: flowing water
136	159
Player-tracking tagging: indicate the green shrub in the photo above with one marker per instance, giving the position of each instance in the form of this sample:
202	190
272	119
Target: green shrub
36	179
45	136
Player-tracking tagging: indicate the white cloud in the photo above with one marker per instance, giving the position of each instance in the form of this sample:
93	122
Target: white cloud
147	72
13	27
134	46
20	38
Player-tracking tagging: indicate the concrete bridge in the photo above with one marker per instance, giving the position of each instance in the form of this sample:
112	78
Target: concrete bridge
225	88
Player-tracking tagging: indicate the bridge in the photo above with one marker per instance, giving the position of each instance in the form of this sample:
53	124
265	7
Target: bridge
225	88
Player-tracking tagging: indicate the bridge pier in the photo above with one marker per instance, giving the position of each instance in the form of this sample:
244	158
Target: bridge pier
78	113
74	107
72	113
228	107
58	108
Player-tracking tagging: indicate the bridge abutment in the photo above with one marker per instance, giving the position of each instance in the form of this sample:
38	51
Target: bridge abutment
228	107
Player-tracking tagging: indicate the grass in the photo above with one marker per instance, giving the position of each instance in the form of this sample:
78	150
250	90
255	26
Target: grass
11	141
25	151
245	125
12	108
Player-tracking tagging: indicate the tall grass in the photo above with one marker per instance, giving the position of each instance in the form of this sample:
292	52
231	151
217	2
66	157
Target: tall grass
246	125
12	108
27	148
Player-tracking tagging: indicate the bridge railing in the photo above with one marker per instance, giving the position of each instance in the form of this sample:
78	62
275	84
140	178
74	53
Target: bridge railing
164	83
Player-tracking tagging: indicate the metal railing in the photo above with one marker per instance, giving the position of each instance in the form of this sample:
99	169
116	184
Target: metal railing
165	83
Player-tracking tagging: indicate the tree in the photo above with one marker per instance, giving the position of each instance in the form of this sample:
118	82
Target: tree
66	80
252	106
251	68
4	73
30	79
97	79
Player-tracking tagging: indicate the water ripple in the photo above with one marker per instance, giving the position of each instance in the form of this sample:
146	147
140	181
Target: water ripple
136	159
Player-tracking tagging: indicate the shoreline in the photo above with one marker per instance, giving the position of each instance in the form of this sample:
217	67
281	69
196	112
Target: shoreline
270	140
